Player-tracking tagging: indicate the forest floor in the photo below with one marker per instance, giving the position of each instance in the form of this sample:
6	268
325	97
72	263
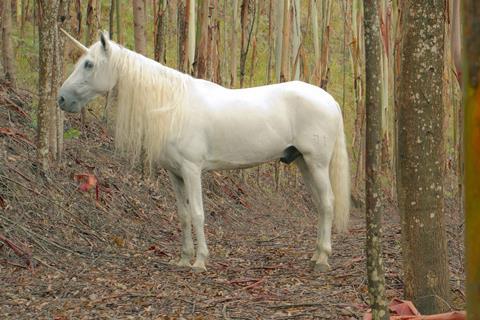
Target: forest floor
69	254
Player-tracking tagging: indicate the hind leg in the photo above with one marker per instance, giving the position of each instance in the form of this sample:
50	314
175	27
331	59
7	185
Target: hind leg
185	221
316	177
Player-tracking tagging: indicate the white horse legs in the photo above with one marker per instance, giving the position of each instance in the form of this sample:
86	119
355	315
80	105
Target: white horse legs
193	190
317	179
188	191
185	221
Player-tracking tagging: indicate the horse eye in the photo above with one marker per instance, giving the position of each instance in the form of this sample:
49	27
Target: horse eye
88	64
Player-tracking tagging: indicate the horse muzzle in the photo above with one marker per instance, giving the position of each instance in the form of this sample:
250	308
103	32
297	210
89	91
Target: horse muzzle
68	103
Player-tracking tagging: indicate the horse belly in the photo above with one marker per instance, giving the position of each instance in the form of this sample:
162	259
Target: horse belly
247	141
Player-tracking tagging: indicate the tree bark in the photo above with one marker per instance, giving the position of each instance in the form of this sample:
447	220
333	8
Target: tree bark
111	18
182	36
203	39
373	189
160	53
357	55
296	39
190	40
234	40
471	81
8	56
421	157
47	18
119	22
284	71
247	21
139	27
278	16
92	19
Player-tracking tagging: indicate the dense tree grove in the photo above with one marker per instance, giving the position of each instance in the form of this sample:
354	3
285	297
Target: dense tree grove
411	114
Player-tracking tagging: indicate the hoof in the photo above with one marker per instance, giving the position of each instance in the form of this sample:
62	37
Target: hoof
322	267
199	267
182	263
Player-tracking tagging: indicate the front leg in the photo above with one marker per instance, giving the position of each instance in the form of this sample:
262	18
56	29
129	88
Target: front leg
185	220
191	174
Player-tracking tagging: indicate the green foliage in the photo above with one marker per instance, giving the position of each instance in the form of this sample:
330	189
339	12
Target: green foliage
71	133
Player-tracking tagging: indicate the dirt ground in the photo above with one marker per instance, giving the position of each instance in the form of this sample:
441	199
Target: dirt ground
86	256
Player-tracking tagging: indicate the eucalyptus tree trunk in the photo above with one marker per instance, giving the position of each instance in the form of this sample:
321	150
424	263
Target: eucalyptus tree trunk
278	16
373	188
182	36
234	47
296	39
160	51
8	57
111	18
90	36
118	21
421	157
270	41
92	22
471	80
387	105
284	71
139	27
321	39
47	19
253	61
63	17
247	22
456	52
202	39
357	50
190	48
214	63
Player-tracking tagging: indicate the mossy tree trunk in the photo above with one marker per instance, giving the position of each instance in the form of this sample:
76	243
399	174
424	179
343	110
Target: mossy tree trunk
421	156
471	80
373	190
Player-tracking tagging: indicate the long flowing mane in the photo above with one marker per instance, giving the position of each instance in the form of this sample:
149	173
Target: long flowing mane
151	99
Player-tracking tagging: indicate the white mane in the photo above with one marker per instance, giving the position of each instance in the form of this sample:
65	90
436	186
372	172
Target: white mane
151	99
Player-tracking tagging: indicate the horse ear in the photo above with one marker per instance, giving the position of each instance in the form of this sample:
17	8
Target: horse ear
104	39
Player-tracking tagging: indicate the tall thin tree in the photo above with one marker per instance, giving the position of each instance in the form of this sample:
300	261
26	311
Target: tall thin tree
234	48
373	190
421	156
47	18
202	39
471	80
8	57
160	52
284	70
139	26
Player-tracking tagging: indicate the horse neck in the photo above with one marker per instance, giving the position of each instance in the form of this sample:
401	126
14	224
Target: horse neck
131	66
151	100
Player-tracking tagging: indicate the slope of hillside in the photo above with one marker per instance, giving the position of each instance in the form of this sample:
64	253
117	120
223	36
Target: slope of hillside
66	253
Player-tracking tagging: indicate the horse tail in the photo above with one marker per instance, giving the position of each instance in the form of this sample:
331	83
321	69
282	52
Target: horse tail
340	180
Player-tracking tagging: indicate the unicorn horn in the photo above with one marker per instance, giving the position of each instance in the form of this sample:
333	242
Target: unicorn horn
75	41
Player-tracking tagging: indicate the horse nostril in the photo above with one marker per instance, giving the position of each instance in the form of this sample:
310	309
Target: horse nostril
61	100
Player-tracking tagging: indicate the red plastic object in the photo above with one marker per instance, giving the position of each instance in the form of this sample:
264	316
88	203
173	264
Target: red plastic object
405	310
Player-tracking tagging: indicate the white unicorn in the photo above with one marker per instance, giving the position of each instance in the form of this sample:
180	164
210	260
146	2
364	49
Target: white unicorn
189	125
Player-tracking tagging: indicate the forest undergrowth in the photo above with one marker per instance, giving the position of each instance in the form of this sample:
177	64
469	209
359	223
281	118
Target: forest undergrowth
77	249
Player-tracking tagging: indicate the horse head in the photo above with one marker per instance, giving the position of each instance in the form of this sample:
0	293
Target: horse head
91	77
